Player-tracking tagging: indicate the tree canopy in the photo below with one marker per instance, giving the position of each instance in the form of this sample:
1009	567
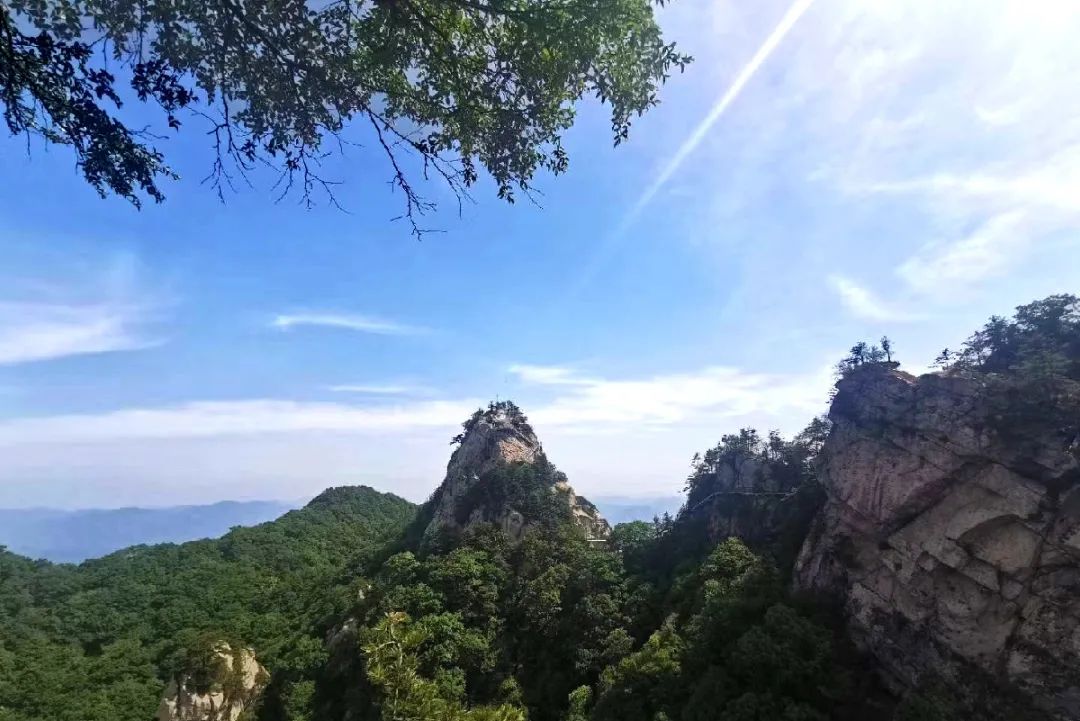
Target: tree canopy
458	85
1042	336
1030	366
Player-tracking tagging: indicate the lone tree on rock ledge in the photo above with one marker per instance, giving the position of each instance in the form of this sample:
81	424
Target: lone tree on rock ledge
458	85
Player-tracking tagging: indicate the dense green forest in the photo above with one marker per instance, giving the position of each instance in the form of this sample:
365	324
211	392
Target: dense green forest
358	614
97	641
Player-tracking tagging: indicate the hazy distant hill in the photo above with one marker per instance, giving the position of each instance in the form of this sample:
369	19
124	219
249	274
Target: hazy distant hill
74	536
617	509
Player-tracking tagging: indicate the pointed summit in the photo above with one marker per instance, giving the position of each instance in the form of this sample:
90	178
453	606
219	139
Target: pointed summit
499	474
499	435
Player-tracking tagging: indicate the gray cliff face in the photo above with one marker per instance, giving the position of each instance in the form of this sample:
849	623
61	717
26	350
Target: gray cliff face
951	547
495	440
239	686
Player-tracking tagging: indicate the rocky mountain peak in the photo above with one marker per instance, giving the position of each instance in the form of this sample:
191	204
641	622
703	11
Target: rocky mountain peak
499	474
500	434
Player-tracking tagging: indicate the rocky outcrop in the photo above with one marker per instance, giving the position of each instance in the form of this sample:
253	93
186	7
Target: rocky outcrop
493	442
232	682
768	503
584	513
954	546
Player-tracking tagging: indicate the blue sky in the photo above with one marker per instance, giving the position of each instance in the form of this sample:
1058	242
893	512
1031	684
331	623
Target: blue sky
827	171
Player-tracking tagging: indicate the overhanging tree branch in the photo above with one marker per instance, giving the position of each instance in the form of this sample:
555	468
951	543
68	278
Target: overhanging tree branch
463	85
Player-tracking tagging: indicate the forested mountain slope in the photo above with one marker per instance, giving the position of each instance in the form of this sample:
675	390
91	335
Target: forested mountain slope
98	641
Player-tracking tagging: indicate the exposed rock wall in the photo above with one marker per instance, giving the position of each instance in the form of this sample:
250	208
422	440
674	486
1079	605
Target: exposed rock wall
238	686
952	547
498	438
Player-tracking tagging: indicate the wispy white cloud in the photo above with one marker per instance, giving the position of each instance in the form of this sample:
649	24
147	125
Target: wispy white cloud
1000	115
1011	211
230	418
53	306
1049	185
376	389
347	321
710	394
997	172
43	331
547	375
989	251
863	303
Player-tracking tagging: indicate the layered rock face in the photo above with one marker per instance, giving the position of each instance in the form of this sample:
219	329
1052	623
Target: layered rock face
952	547
237	686
496	440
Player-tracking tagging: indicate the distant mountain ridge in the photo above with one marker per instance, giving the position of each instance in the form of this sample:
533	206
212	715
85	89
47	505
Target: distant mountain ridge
73	536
